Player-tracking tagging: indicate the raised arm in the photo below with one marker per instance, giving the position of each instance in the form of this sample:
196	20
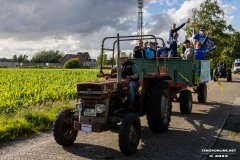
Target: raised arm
172	31
188	20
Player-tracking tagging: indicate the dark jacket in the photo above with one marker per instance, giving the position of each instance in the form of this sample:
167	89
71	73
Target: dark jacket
127	70
139	53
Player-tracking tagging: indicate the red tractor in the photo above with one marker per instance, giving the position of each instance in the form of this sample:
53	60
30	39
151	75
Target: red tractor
103	104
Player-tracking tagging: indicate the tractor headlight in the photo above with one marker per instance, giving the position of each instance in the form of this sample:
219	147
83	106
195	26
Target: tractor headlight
79	107
104	87
100	108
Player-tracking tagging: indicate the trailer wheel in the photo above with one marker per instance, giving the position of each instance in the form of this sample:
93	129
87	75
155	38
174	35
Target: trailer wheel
202	93
129	134
186	102
159	106
63	130
229	75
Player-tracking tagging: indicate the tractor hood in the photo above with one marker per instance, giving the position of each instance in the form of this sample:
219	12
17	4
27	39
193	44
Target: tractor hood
102	89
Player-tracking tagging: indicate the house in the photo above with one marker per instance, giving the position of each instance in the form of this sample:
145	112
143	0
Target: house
70	56
92	63
5	60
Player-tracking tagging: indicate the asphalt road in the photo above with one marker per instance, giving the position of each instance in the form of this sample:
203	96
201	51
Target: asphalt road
214	124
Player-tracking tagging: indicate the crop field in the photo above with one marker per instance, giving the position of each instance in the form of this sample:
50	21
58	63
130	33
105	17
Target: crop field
21	88
25	95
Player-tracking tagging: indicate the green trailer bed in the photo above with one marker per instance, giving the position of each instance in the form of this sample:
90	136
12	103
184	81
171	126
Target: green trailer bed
180	71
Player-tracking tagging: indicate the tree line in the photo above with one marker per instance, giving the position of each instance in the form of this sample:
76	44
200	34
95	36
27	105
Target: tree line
46	56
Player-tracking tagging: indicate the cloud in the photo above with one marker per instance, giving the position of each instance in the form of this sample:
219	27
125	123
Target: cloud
30	26
228	10
64	16
162	22
164	2
62	24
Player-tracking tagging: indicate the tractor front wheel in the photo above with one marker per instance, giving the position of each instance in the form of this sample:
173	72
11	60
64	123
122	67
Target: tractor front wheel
129	134
63	129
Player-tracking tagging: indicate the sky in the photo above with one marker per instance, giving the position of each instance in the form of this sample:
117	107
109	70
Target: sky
71	26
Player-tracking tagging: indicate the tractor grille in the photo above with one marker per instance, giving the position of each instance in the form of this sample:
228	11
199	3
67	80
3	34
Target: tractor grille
89	87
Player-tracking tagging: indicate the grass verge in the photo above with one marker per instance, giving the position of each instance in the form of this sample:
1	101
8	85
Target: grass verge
32	120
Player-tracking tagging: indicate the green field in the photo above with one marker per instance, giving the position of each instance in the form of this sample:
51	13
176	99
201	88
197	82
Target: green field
30	98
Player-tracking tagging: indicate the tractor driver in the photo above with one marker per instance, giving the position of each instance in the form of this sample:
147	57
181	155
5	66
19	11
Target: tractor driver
129	71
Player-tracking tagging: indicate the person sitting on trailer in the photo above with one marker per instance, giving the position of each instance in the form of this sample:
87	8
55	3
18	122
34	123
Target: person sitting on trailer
174	30
162	52
173	46
139	51
151	51
189	50
200	36
200	50
145	44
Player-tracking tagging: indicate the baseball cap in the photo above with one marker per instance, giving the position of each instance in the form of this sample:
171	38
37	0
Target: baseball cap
153	43
186	41
123	55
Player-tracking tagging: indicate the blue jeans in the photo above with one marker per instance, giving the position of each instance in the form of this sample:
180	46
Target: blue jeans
133	88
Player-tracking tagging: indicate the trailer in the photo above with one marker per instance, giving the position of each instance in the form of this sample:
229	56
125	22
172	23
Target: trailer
187	77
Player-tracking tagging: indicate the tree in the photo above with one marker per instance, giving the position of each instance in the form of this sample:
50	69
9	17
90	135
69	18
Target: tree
20	59
47	56
211	17
231	52
85	55
14	58
234	45
113	60
104	59
73	63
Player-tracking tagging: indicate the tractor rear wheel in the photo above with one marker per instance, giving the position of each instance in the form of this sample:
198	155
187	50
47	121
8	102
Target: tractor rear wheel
63	128
186	102
159	106
129	134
